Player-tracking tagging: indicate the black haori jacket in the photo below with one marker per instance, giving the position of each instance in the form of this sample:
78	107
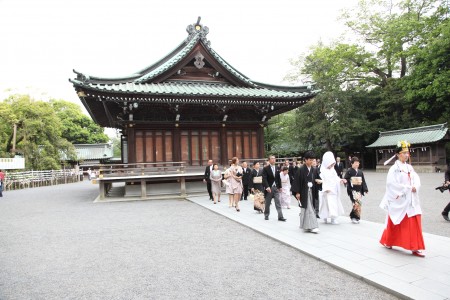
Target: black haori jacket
300	184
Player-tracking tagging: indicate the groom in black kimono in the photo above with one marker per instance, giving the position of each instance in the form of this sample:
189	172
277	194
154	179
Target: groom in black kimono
305	179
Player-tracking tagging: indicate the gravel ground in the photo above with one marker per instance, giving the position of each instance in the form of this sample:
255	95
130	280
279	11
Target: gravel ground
56	244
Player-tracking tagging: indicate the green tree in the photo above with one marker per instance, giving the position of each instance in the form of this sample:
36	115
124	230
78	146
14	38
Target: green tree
77	128
394	75
333	118
427	87
38	136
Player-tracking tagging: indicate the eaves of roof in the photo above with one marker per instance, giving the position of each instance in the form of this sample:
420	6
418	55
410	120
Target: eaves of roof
417	135
194	89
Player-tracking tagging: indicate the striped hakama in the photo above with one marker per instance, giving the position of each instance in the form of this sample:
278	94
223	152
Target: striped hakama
308	218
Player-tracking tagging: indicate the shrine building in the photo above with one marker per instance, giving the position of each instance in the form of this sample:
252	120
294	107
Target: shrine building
190	106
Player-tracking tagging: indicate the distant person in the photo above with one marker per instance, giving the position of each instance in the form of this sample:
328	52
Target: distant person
207	179
256	187
356	188
2	183
401	201
447	183
246	177
285	195
89	172
317	200
256	184
272	188
216	182
339	167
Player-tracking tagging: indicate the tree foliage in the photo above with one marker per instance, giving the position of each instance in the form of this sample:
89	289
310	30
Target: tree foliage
77	128
395	74
45	130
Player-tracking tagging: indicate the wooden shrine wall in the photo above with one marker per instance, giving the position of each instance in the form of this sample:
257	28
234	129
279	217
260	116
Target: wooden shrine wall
195	146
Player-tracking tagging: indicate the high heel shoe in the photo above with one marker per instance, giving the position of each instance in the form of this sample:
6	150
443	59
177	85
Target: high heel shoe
237	209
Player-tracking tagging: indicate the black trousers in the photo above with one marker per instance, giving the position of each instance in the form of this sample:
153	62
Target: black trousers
244	191
208	187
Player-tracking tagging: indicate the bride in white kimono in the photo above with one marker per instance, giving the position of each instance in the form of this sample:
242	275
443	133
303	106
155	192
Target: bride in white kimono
330	204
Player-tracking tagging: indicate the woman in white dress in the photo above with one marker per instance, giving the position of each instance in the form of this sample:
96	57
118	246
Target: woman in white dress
285	195
330	204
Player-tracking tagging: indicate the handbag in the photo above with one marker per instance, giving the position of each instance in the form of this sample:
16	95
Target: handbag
257	179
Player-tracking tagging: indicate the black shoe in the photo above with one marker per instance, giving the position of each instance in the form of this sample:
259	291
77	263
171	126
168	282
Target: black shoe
445	217
317	216
282	219
245	198
266	217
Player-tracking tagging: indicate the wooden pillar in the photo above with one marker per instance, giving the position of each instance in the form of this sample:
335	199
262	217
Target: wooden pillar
176	149
143	189
101	186
224	148
261	153
131	145
183	186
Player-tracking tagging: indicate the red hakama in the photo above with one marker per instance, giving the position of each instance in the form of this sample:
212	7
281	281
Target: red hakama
407	234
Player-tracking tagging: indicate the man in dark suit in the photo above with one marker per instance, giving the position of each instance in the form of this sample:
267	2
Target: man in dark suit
246	176
272	188
339	167
207	179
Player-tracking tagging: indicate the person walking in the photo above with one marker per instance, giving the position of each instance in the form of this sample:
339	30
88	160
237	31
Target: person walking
306	191
402	204
216	182
246	176
285	195
256	187
447	183
207	179
2	183
356	188
236	182
339	167
331	205
272	188
227	182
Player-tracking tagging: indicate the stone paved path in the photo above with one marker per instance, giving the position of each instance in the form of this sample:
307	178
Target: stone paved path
55	243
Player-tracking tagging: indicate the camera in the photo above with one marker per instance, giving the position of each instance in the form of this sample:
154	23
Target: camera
442	188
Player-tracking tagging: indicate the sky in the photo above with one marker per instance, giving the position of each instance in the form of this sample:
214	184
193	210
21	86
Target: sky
42	41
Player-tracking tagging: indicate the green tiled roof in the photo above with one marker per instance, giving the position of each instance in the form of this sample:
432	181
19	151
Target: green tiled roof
195	89
142	80
170	62
418	135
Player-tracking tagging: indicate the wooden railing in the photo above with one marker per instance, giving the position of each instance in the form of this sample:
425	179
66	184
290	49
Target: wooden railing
31	179
120	170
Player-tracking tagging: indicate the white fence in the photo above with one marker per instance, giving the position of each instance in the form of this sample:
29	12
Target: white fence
30	179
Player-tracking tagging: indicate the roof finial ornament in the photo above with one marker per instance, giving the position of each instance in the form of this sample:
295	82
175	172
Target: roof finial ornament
197	28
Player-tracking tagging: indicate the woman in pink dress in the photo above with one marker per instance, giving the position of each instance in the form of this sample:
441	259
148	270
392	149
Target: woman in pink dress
236	181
